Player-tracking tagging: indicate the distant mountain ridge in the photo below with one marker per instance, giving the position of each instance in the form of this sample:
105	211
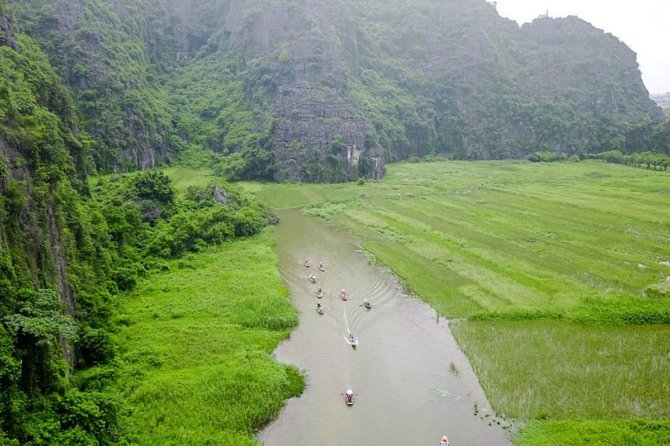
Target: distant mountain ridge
331	90
663	101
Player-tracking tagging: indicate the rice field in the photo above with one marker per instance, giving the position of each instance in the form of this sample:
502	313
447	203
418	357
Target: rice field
544	269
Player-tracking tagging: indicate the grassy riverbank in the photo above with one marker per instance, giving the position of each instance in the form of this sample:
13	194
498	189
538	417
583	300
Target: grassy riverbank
196	367
548	264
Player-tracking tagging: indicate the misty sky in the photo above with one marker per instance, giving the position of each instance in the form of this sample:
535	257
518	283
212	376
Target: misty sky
643	25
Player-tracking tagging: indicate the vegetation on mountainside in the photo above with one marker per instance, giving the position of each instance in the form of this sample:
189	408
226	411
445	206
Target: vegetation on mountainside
64	255
55	270
263	90
663	101
149	81
555	269
112	61
215	123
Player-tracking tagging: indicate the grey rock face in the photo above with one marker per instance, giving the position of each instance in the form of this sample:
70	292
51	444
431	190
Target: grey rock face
6	34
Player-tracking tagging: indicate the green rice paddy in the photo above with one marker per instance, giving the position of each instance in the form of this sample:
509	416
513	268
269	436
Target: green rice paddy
545	268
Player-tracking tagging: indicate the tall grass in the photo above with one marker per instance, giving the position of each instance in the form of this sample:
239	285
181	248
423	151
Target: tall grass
553	267
549	369
196	367
639	432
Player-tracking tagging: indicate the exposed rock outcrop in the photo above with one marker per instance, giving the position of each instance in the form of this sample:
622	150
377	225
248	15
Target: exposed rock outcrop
327	90
6	34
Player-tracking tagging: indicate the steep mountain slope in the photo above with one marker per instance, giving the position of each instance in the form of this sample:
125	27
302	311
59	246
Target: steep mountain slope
331	90
66	250
109	54
54	269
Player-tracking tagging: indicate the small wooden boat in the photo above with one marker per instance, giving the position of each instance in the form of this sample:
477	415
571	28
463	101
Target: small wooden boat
319	308
312	279
343	294
367	305
306	263
319	294
320	267
349	397
353	340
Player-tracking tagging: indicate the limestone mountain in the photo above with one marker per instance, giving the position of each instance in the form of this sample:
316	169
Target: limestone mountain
330	90
68	245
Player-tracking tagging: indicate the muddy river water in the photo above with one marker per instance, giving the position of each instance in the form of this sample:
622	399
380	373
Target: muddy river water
413	384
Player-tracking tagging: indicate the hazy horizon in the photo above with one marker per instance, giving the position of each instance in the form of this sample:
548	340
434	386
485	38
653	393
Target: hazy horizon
642	25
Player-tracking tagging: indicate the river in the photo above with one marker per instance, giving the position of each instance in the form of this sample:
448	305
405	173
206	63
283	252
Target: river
413	383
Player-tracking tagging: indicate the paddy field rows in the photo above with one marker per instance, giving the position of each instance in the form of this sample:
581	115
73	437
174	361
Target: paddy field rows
543	270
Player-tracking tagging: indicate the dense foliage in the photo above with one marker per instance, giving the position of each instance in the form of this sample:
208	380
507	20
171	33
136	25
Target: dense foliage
110	58
326	92
66	250
257	89
55	270
146	221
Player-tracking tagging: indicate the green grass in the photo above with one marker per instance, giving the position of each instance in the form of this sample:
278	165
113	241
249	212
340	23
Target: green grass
547	265
507	237
196	367
597	433
552	369
183	177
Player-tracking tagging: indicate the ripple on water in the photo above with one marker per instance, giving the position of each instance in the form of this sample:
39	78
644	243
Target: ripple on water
402	369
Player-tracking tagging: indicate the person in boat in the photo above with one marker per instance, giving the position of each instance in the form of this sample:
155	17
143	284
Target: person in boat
312	278
366	303
306	263
318	305
349	395
343	293
320	266
319	291
352	338
445	441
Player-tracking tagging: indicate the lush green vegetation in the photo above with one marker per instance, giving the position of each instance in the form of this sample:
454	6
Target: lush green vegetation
588	372
550	270
149	81
55	269
146	220
111	60
572	432
195	364
68	248
283	90
647	160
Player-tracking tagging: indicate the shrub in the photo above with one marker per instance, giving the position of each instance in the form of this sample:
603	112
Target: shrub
658	290
95	346
546	156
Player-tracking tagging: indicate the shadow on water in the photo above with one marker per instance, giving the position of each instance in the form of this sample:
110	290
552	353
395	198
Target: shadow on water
413	383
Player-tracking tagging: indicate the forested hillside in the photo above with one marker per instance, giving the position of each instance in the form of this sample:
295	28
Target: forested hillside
67	249
53	273
109	54
333	90
663	101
